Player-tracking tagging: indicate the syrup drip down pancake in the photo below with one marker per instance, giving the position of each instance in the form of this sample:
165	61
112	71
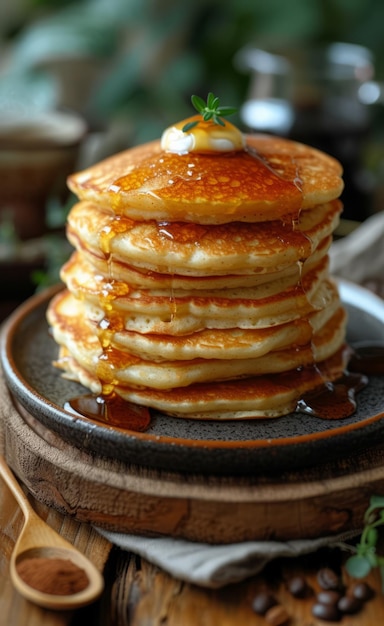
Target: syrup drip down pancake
199	282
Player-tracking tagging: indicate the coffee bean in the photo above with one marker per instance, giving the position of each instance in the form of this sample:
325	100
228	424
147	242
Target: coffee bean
329	597
262	602
298	587
277	616
362	591
326	612
328	579
349	605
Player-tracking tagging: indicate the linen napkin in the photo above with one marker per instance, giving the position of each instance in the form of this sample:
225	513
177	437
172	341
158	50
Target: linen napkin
215	566
359	257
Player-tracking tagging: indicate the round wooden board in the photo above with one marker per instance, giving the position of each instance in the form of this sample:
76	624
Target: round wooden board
323	501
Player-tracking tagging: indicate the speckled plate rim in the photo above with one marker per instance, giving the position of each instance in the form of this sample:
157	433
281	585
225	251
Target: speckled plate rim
180	453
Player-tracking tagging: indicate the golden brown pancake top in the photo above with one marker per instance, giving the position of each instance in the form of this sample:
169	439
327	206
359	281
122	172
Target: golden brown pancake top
273	177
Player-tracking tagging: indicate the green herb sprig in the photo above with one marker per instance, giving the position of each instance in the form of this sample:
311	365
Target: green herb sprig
365	556
210	110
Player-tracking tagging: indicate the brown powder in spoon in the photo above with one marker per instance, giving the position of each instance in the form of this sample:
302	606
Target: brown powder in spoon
53	576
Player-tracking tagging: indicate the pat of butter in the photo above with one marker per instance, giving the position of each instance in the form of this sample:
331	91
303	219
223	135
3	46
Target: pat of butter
204	137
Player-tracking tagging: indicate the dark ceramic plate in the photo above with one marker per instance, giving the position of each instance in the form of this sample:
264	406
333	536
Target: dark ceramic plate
258	447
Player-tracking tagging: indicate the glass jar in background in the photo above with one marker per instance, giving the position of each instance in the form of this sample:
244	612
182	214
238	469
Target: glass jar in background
316	96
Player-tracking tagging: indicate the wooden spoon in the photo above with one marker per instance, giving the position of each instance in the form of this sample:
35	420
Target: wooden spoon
38	540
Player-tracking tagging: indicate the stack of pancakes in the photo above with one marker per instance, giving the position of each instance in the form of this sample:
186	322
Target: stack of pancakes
199	284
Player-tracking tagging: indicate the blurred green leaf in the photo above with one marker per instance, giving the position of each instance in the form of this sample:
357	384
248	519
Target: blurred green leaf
26	92
55	39
358	566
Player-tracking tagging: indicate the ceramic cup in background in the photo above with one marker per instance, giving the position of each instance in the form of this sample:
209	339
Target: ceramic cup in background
37	153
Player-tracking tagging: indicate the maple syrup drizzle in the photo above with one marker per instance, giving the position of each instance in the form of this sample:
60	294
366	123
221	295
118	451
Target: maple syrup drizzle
164	176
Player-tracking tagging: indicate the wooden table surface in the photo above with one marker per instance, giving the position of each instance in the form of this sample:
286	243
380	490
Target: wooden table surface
137	593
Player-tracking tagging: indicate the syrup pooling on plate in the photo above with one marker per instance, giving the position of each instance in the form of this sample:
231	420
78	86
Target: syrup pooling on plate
110	410
333	400
337	400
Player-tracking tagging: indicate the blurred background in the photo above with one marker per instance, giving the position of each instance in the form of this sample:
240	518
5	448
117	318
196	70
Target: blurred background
82	79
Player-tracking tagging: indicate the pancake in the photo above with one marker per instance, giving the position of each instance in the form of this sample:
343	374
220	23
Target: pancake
180	312
117	270
250	398
199	282
264	396
232	343
273	177
193	249
118	367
